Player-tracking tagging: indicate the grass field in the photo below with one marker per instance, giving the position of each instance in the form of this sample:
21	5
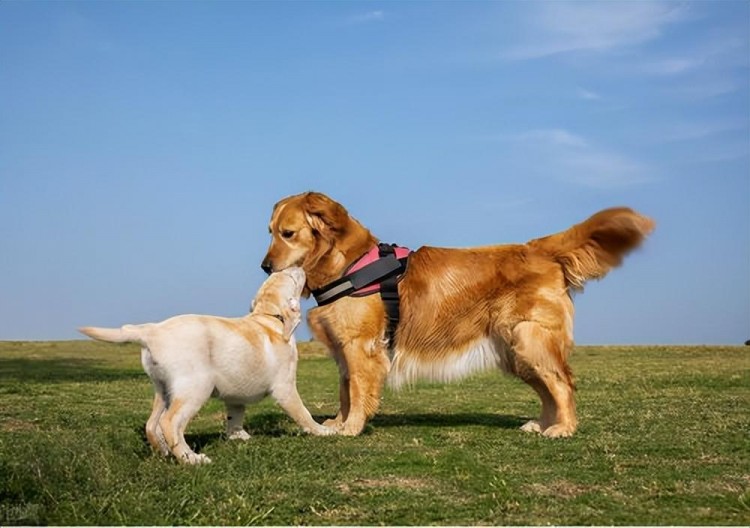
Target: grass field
663	439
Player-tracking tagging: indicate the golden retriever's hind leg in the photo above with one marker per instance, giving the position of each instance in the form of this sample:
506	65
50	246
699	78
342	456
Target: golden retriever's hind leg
540	362
549	407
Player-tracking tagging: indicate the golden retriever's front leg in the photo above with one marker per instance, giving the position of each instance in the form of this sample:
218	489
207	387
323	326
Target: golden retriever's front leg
367	364
344	400
322	332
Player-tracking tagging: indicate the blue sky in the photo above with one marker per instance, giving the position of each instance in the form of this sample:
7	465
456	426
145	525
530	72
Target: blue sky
143	144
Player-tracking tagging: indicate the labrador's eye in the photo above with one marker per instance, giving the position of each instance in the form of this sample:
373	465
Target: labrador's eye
287	234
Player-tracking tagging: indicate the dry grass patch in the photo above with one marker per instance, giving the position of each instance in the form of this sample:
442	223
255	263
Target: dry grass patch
14	425
563	489
404	483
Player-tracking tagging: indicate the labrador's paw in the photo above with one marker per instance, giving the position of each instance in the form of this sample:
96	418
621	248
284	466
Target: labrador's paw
240	434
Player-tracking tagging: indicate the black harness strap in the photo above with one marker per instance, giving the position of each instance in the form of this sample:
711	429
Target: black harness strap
389	295
348	284
387	271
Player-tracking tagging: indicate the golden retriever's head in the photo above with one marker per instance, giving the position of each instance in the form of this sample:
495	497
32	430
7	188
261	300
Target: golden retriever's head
279	296
304	228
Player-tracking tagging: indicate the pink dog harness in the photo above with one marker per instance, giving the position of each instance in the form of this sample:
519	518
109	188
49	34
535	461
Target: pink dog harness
378	270
365	277
368	258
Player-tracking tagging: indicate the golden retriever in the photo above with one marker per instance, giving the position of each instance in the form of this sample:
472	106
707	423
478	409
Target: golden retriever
462	310
239	360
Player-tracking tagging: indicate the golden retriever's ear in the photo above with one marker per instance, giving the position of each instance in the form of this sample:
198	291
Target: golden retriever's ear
324	215
292	317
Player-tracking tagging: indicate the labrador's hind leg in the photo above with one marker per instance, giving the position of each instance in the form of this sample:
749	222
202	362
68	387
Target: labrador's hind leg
183	405
154	433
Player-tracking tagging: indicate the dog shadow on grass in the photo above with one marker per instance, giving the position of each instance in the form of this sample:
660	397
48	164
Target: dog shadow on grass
502	421
267	424
277	424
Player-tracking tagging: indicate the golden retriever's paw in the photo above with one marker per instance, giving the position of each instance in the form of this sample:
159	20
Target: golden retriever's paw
559	431
350	429
240	434
321	430
195	459
532	426
333	423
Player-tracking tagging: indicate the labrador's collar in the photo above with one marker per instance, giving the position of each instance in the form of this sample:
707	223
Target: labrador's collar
278	317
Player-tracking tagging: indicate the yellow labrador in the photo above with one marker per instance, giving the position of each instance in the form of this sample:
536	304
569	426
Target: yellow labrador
190	358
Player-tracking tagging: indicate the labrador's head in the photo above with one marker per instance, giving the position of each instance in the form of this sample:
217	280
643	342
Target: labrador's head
279	296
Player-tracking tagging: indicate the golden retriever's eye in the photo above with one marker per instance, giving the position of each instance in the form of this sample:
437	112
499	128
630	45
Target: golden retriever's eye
287	234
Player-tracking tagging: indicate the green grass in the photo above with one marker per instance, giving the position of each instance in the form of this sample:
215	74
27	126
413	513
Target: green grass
663	439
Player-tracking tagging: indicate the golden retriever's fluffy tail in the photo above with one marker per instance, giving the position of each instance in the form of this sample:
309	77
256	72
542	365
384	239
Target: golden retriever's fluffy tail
125	334
590	249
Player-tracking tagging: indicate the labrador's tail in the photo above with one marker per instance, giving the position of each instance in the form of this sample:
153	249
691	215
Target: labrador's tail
124	334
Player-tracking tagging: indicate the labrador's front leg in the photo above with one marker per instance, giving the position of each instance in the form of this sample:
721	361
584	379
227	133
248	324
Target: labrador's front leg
289	400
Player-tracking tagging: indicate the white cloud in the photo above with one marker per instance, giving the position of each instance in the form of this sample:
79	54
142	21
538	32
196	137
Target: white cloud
715	52
552	136
588	95
564	27
369	16
572	158
601	169
687	131
704	89
672	66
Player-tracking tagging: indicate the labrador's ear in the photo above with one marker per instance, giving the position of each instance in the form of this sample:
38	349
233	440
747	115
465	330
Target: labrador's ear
324	215
292	317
